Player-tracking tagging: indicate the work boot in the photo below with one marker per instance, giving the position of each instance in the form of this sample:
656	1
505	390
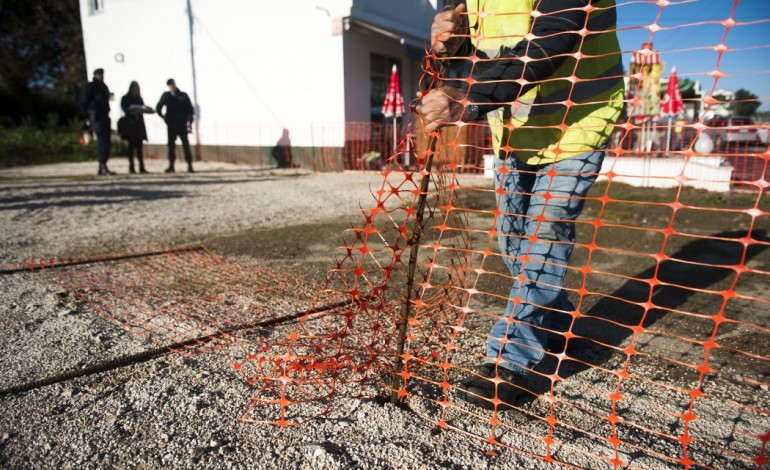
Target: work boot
491	384
190	168
131	169
170	169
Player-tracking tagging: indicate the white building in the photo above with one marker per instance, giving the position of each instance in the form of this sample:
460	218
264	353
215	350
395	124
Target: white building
260	67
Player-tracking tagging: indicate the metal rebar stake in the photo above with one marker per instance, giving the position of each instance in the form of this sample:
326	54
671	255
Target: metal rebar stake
395	395
403	325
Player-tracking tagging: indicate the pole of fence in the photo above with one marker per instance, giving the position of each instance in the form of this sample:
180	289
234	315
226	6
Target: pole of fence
403	323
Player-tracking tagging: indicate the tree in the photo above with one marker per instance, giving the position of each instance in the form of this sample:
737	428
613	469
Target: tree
42	61
745	103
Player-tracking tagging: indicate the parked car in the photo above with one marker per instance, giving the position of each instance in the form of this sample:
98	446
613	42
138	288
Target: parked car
731	129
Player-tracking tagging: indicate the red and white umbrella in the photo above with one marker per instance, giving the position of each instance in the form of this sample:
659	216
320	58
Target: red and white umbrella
394	102
393	107
672	104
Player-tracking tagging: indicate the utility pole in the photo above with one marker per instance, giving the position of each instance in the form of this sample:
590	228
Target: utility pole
195	85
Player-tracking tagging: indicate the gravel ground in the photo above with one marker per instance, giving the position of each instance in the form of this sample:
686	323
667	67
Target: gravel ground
181	410
175	411
44	213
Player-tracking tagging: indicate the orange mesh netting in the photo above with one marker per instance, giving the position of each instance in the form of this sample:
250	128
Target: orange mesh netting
664	357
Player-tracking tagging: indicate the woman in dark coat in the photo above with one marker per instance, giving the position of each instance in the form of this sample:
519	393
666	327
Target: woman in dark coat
135	132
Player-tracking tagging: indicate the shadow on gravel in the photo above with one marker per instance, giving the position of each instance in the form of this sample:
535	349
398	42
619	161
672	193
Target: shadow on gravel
693	270
96	197
164	181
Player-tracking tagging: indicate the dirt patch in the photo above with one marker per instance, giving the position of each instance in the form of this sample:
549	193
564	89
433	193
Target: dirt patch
306	250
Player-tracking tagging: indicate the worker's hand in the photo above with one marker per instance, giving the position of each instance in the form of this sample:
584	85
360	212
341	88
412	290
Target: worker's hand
440	107
448	29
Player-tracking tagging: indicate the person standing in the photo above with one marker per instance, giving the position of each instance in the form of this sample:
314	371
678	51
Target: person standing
178	114
549	77
94	105
282	151
136	132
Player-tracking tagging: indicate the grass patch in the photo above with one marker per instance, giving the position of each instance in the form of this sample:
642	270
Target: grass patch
28	145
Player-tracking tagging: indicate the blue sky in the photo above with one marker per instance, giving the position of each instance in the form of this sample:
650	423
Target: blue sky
689	46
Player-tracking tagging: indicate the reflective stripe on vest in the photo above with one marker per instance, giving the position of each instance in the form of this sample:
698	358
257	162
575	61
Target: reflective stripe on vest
543	128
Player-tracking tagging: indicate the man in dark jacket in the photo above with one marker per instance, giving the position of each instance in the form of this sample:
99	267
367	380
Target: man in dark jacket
95	107
179	117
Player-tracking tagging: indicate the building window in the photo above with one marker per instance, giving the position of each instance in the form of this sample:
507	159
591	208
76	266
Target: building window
95	6
379	71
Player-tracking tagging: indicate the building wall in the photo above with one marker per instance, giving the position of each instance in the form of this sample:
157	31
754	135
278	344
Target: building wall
152	47
261	66
358	49
412	17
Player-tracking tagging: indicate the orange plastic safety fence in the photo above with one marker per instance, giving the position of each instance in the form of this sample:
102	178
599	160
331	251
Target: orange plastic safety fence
663	356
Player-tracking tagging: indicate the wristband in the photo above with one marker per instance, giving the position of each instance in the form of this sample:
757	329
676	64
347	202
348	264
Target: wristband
471	112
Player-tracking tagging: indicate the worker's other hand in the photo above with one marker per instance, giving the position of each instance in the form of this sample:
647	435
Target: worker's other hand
448	30
440	107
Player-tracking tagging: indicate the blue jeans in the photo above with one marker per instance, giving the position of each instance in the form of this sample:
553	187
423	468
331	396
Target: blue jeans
536	233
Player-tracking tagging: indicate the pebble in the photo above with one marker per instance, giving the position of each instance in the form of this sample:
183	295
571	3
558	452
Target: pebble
67	393
313	447
6	436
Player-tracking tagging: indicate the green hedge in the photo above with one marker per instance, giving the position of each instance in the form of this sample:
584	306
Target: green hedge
30	145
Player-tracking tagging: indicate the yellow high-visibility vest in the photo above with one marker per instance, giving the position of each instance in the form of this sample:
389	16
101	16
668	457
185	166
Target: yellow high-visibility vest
573	111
